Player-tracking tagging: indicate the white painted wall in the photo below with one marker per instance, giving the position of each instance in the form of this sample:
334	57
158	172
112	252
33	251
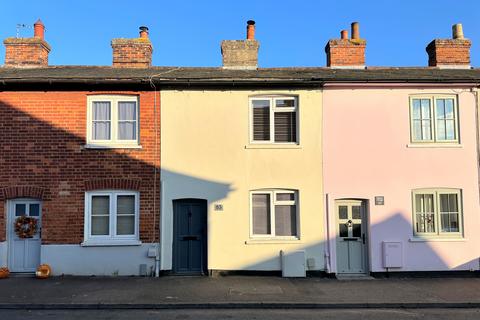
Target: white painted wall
99	261
3	254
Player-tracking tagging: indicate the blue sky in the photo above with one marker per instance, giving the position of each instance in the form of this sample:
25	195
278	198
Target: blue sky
291	33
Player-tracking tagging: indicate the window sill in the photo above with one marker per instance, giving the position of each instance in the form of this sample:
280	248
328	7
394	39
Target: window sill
434	145
112	243
100	146
418	239
274	241
273	146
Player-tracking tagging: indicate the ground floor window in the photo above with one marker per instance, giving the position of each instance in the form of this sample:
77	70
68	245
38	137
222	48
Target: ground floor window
274	213
437	212
111	215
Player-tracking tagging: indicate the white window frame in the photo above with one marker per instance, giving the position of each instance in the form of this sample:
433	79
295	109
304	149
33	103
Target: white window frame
273	202
114	141
112	238
273	109
436	192
433	119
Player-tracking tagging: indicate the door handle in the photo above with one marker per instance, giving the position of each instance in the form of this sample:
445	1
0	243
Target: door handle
190	238
363	238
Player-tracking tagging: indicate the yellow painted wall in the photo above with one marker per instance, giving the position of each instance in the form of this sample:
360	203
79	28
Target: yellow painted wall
205	153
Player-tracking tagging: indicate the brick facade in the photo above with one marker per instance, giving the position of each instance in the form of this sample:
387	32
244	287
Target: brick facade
43	137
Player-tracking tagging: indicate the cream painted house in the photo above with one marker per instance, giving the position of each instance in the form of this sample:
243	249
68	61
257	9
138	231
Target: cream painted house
260	181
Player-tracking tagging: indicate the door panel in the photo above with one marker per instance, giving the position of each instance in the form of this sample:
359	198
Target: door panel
351	229
24	254
190	236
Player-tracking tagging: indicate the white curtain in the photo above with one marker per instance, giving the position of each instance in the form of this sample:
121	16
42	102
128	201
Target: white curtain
127	121
101	120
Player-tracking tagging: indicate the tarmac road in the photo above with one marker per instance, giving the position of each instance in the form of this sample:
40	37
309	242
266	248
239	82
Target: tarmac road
324	314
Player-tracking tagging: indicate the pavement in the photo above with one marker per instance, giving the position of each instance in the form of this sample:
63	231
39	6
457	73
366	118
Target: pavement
236	292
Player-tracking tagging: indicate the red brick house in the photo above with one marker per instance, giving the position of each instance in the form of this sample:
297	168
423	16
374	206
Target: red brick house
86	143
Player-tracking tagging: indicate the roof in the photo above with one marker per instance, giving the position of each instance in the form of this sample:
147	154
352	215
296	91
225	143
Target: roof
192	75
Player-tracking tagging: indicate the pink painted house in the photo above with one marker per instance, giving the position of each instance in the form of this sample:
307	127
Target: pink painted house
401	162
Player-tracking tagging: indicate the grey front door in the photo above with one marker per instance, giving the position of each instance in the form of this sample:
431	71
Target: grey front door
24	254
190	236
351	236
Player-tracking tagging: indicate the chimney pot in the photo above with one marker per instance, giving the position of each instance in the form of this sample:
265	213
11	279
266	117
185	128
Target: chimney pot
250	30
39	30
355	30
143	32
457	31
344	34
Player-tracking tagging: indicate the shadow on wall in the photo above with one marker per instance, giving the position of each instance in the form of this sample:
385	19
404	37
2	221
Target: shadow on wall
416	256
37	153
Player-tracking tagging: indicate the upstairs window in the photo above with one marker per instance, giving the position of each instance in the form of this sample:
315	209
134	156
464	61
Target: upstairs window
112	121
274	120
433	119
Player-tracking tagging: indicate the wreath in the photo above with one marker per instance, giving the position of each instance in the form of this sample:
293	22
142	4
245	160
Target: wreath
26	227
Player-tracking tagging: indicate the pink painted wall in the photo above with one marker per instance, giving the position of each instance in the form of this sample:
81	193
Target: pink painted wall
366	154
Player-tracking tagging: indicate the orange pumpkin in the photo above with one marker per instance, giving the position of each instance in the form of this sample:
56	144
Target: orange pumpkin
4	273
43	271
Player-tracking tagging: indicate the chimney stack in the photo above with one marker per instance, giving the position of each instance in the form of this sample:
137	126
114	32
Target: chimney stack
241	54
347	53
133	53
28	52
450	53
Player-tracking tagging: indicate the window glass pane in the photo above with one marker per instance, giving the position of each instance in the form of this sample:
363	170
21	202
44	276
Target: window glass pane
127	111
261	124
440	109
449	109
356	230
425	213
416	111
285	126
449	212
20	209
100	225
356	213
126	205
285	220
417	129
261	103
450	130
289	103
425	109
126	225
127	130
100	205
343	212
34	210
261	213
343	230
101	130
426	130
285	196
441	130
101	110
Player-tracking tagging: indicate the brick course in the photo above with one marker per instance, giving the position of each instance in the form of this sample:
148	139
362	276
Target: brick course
42	137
